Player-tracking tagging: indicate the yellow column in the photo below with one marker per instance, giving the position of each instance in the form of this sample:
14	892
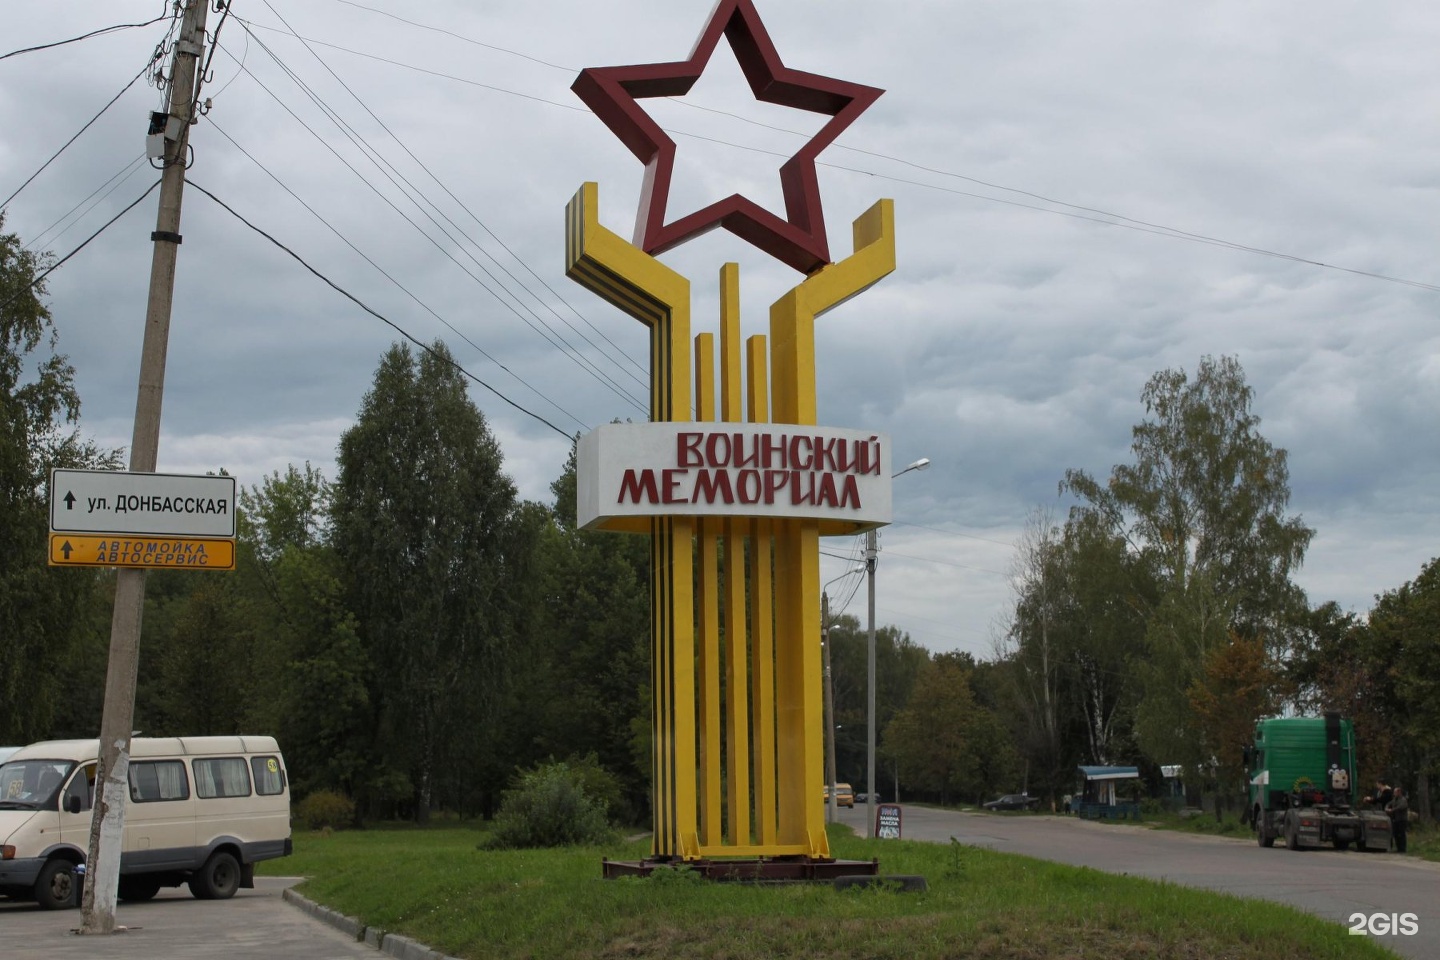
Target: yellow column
762	617
799	718
737	720
658	297
707	592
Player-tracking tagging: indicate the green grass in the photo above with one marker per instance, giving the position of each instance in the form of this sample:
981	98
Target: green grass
436	886
1424	841
1230	825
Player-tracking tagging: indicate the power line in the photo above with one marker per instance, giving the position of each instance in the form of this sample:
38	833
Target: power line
84	36
384	273
948	563
374	157
451	33
423	166
952	533
1089	214
386	320
6	201
61	262
119	179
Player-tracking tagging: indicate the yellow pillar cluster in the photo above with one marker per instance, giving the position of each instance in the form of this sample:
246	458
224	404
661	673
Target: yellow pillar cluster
735	603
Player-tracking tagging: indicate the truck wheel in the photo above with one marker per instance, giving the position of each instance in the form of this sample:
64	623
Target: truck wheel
55	887
218	879
1341	845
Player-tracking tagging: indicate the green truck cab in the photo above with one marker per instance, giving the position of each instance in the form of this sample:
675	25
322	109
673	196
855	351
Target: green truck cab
1303	786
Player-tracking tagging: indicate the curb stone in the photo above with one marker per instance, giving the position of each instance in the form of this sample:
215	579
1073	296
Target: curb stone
392	944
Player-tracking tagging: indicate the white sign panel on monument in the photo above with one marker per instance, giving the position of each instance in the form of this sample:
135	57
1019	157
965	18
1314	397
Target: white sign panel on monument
629	472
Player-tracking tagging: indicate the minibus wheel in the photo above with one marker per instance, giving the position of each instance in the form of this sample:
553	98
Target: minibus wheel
138	888
218	879
55	887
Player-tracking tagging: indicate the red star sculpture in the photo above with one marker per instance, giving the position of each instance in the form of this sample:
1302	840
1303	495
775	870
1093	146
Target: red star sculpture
799	239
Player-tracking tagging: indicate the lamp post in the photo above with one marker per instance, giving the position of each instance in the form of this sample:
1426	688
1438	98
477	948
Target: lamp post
830	799
872	550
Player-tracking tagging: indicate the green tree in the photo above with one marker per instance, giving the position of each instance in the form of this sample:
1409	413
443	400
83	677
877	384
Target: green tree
1041	652
44	612
1203	510
1236	687
1067	674
323	689
587	630
898	662
943	741
285	511
1403	658
198	656
423	521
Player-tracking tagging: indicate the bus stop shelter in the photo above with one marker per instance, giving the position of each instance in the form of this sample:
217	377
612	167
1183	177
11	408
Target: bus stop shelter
1100	796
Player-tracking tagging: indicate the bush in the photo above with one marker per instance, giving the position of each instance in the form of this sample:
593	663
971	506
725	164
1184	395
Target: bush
549	808
598	784
326	808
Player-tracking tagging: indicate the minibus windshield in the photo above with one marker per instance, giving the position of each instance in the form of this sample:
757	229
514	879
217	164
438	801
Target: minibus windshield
32	784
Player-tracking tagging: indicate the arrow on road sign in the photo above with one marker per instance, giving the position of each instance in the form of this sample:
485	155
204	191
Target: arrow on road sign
65	548
69	500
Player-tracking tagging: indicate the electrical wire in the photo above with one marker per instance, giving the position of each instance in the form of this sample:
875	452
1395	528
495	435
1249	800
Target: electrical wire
34	284
1089	214
84	36
948	563
951	533
451	33
372	156
422	165
6	201
384	273
119	179
378	159
386	320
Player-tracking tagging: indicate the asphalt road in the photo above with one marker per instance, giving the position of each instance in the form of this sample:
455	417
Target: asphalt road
1326	883
254	925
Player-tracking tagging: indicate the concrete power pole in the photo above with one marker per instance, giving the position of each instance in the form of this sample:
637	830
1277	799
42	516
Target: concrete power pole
108	820
831	800
871	552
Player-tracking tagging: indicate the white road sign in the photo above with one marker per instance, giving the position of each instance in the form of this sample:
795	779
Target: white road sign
163	504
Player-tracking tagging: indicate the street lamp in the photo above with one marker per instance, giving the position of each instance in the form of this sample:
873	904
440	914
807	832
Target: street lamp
872	550
830	799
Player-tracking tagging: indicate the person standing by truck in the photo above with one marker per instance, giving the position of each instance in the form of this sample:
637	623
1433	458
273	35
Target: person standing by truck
1399	810
1381	797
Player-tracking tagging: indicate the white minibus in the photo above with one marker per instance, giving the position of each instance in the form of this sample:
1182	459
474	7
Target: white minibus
201	811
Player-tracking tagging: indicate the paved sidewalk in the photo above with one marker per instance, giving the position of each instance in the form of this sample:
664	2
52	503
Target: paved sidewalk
254	925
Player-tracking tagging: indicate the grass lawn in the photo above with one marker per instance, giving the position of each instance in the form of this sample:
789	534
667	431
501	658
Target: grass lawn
436	886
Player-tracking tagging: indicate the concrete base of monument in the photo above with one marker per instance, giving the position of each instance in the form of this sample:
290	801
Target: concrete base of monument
752	870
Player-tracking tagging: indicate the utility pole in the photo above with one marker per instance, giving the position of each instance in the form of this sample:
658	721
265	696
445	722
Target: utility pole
831	801
107	823
872	550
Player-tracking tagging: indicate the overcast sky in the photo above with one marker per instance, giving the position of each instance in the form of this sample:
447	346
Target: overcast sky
1011	344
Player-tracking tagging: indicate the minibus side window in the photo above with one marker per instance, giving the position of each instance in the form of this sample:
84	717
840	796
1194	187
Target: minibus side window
221	777
269	778
152	780
82	787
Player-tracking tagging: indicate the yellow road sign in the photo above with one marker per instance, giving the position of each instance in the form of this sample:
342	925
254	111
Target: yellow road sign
171	553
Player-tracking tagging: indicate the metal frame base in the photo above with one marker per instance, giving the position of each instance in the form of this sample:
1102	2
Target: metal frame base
755	870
